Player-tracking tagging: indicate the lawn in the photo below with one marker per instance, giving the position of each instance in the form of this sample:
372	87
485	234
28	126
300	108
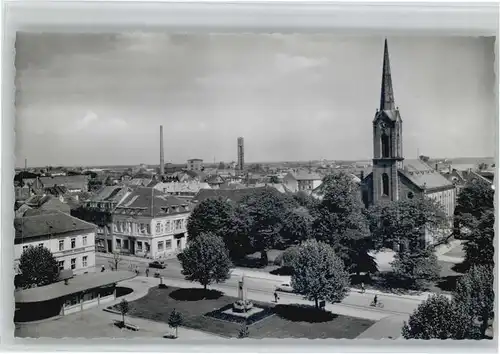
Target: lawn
285	321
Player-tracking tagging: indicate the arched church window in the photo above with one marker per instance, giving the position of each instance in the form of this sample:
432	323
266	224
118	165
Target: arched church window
410	195
385	184
385	145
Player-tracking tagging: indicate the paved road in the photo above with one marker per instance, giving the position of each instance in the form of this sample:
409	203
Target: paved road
393	305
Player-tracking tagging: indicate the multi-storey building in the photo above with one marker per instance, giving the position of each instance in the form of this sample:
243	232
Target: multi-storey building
149	223
195	164
302	181
71	240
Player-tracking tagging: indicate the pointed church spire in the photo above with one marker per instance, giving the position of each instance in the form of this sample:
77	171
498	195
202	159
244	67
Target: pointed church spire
386	94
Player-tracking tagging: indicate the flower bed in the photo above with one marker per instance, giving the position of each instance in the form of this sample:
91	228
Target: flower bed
220	315
242	306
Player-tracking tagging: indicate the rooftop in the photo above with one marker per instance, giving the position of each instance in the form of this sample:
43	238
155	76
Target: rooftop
151	202
75	285
423	175
52	223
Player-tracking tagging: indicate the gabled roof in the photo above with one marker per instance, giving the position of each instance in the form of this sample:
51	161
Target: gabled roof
49	224
302	175
182	187
423	176
234	195
56	190
145	201
110	194
70	182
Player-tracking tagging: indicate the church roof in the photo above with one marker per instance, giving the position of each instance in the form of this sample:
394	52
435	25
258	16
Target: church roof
387	93
423	175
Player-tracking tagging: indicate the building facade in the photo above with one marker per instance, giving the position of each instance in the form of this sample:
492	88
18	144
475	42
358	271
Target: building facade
195	165
296	181
71	240
393	177
150	224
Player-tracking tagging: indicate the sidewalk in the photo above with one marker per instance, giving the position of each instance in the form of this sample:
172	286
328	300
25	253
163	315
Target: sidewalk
238	272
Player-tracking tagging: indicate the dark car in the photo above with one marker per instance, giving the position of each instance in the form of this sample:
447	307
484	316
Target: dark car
156	264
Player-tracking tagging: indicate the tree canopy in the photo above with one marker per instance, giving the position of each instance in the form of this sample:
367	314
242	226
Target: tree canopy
265	217
206	260
473	200
212	215
475	292
439	318
38	267
319	274
340	221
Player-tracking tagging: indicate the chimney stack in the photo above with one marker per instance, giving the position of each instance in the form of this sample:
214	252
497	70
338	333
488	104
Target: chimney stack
162	161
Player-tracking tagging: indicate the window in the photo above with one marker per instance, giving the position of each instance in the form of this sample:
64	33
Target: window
25	248
84	261
161	228
160	246
115	228
158	226
125	244
148	229
385	145
40	245
142	228
118	243
61	245
61	265
167	226
168	244
385	184
84	240
73	242
139	246
410	195
73	263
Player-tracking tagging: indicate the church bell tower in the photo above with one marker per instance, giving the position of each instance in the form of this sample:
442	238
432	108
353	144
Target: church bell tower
387	141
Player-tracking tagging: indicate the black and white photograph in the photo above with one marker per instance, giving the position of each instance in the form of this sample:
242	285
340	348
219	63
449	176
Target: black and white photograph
215	186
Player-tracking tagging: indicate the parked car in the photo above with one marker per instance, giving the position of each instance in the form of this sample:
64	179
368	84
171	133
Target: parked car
157	264
285	288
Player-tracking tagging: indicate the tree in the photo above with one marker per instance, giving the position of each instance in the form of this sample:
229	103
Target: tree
266	213
475	292
290	256
416	268
243	332
274	179
318	274
340	221
206	260
482	166
473	200
175	320
123	307
306	200
439	318
38	267
115	262
479	247
210	216
297	226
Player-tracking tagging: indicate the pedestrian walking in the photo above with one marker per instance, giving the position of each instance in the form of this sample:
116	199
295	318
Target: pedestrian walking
276	297
103	269
375	300
363	287
147	272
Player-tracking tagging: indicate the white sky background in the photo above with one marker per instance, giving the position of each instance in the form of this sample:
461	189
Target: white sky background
94	99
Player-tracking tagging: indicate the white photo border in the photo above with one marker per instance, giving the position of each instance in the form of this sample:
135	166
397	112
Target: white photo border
349	18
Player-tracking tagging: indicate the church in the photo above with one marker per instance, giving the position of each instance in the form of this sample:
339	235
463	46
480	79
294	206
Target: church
393	177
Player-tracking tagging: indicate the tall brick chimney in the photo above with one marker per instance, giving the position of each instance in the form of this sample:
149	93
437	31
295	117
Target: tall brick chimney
162	161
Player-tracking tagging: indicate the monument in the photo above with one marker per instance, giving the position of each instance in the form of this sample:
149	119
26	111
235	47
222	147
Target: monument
243	304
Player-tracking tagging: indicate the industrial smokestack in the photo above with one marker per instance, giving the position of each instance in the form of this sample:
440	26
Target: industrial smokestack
162	161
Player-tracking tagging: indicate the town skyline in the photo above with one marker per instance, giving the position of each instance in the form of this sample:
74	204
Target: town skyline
69	94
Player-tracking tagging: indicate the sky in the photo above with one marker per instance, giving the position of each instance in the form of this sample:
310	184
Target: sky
99	99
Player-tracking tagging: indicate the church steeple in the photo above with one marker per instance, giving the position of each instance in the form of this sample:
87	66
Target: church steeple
386	94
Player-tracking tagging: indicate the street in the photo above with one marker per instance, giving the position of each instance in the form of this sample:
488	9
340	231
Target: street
260	283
